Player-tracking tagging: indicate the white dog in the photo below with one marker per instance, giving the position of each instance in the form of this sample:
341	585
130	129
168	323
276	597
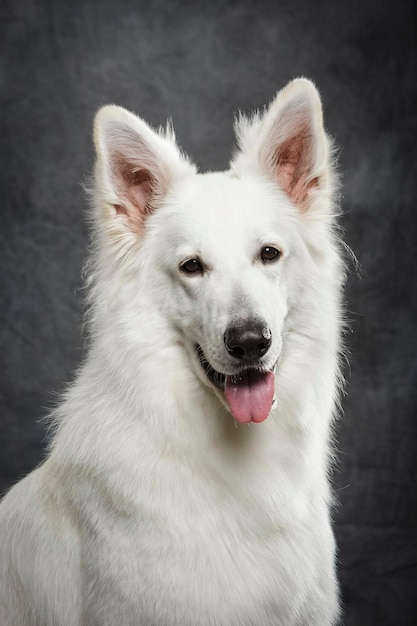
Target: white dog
187	480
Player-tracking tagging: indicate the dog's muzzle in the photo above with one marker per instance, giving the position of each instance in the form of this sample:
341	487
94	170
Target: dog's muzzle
250	393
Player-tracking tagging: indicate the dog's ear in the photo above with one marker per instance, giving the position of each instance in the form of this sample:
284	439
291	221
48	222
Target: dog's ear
135	166
289	144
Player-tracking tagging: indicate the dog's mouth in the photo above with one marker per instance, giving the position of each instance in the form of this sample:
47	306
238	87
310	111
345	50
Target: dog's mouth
250	393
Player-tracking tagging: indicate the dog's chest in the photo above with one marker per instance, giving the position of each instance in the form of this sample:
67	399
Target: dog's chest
173	539
206	561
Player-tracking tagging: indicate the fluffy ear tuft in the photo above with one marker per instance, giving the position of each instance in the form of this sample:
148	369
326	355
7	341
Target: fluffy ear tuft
288	143
135	165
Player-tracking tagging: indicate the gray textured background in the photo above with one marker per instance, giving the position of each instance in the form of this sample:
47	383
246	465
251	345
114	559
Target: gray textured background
198	62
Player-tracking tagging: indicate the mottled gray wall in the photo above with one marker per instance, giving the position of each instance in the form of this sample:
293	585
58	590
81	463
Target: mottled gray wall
198	62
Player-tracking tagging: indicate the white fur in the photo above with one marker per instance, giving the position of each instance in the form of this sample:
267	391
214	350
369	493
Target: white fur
154	507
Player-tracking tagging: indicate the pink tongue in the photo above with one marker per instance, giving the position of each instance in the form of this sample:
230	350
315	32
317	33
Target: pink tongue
250	395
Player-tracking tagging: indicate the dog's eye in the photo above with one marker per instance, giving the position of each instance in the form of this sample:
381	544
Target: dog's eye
269	253
192	266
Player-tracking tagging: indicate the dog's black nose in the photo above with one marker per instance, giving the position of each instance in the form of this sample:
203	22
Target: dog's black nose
248	340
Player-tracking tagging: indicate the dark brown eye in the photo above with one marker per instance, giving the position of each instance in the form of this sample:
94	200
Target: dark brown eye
269	254
192	266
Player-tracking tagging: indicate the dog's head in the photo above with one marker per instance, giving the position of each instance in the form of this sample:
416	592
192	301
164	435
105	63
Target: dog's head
224	253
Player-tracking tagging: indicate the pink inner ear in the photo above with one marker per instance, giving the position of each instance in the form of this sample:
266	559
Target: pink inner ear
136	189
139	189
293	165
